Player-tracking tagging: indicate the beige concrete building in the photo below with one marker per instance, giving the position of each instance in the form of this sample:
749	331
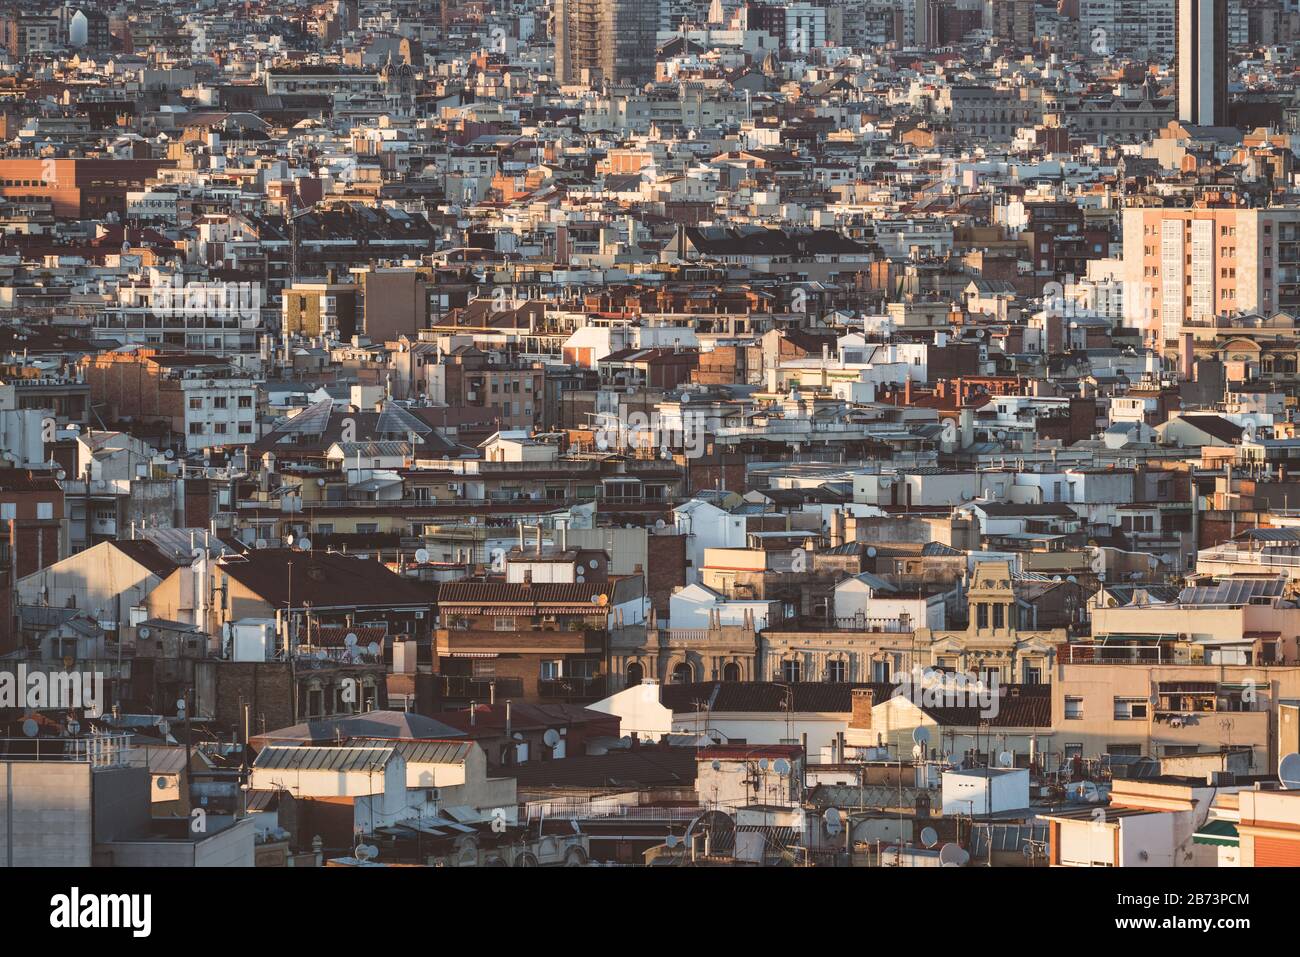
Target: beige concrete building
1159	710
1183	267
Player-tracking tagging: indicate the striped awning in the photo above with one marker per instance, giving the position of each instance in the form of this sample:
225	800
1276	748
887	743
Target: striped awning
1219	833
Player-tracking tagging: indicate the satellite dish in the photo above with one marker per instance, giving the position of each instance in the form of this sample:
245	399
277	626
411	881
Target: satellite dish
762	764
921	735
671	840
782	766
1006	759
180	705
304	544
164	727
551	737
871	551
1288	771
929	836
144	631
321	654
421	555
350	640
953	855
30	728
169	454
161	784
717	765
599	599
372	649
834	824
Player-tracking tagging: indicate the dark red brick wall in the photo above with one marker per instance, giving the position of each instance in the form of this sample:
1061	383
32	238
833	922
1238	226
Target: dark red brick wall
665	569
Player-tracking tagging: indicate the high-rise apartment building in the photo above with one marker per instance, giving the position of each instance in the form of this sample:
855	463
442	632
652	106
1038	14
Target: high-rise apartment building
1187	266
616	38
1127	27
1201	70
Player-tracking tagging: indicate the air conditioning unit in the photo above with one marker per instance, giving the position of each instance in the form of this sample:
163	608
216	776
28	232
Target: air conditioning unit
431	795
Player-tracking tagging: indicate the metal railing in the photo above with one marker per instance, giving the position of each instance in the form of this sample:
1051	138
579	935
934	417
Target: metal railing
592	687
579	810
97	750
462	686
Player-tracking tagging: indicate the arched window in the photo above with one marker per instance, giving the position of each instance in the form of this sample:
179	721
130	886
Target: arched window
731	671
635	674
683	674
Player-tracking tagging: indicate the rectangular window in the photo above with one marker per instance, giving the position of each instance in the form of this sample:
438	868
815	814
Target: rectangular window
552	670
503	624
1131	709
1074	709
791	671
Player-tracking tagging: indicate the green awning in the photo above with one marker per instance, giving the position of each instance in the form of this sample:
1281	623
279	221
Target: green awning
1221	833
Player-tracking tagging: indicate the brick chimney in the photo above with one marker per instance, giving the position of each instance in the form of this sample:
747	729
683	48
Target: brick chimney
860	715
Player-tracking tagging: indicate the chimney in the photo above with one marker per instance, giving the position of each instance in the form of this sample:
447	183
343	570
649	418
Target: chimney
539	538
907	391
860	715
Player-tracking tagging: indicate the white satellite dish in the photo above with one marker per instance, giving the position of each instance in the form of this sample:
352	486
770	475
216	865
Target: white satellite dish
953	855
1006	759
551	737
180	705
782	766
421	555
30	728
671	840
1288	771
929	836
762	764
833	822
921	736
304	544
373	649
145	632
871	551
349	640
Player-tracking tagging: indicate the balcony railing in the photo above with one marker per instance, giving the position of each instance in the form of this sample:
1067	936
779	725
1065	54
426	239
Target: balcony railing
97	750
571	688
479	689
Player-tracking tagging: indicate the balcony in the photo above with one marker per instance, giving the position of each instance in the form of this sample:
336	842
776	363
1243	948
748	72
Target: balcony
478	689
572	688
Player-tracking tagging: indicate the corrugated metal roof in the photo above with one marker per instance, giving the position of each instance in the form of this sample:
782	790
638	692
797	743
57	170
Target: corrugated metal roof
419	752
308	758
1233	591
